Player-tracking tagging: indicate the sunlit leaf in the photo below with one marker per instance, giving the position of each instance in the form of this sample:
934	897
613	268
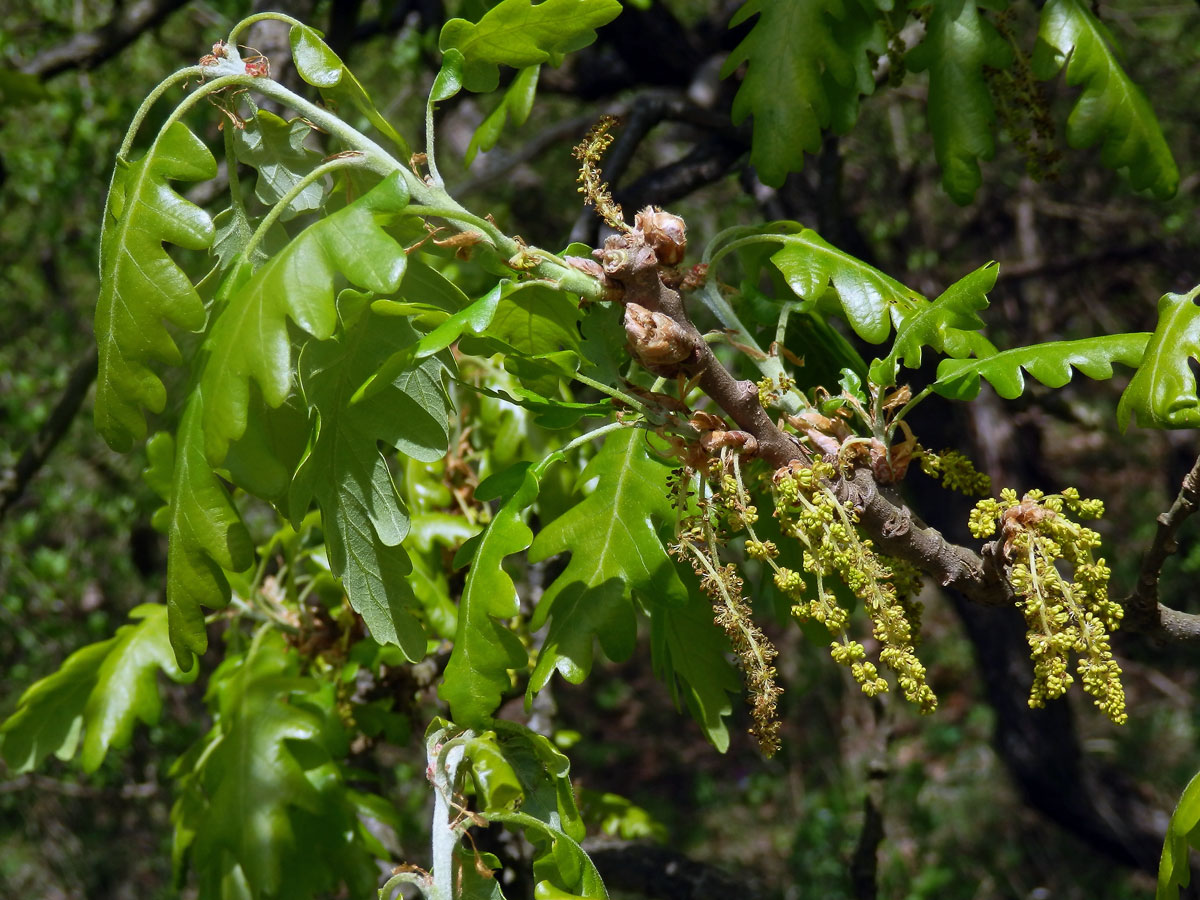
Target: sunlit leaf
141	287
515	768
949	325
519	33
869	299
250	338
1162	393
473	318
514	107
1052	364
317	64
1183	832
562	869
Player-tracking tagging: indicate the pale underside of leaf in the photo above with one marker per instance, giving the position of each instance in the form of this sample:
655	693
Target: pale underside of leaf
364	516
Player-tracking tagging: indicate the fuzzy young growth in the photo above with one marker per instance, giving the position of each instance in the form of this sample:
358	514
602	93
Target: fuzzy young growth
1065	615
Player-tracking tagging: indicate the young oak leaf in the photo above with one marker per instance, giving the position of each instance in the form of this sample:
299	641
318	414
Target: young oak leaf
476	676
949	325
250	336
474	317
1183	831
519	33
1162	392
515	105
561	866
364	516
140	285
615	551
808	65
1049	363
260	791
318	65
691	656
275	147
1112	110
205	533
959	43
101	690
869	299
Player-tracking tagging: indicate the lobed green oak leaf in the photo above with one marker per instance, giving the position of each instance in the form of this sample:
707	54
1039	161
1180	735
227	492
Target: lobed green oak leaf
808	63
612	536
1051	363
141	287
249	338
1162	392
363	514
101	691
950	325
1112	111
959	45
520	33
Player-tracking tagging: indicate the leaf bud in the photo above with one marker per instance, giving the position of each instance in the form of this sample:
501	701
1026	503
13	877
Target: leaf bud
657	340
665	233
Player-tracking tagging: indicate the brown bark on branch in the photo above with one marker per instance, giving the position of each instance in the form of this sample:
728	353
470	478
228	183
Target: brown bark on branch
1144	613
891	524
630	262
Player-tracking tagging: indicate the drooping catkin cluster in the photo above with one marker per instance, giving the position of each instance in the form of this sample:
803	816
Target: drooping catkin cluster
724	505
595	190
809	511
1064	615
